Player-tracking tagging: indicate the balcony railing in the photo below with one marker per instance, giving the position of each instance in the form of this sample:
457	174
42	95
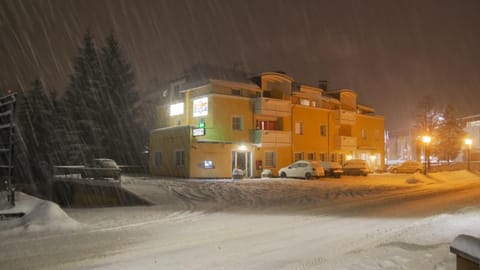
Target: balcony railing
271	137
272	107
345	143
344	117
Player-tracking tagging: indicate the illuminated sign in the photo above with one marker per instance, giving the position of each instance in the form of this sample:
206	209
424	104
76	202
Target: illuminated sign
208	164
198	132
200	107
176	109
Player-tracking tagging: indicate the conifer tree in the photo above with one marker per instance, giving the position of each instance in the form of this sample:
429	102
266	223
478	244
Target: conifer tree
83	101
119	97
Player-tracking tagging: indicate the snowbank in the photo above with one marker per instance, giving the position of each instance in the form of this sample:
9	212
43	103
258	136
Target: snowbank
39	216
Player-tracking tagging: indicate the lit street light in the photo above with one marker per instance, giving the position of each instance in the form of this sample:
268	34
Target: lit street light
426	141
468	143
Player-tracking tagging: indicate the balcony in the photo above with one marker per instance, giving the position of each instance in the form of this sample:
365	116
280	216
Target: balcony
345	143
272	107
271	137
344	117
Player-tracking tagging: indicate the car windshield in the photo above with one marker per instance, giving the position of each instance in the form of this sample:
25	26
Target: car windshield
108	164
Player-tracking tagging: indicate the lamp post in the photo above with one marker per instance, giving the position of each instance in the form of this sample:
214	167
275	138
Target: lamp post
426	141
468	143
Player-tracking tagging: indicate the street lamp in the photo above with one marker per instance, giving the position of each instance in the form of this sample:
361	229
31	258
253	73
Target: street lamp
468	143
426	141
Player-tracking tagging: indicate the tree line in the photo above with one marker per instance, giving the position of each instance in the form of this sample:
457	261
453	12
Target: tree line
98	115
443	126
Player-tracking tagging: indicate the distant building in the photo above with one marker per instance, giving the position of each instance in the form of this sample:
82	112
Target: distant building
210	126
472	128
401	145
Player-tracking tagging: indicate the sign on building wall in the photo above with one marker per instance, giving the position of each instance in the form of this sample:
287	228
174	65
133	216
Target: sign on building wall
176	109
198	132
200	107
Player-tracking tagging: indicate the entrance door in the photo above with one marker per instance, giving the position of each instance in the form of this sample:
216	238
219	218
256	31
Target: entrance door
243	161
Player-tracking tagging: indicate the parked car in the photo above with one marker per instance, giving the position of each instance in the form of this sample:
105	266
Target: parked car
332	169
356	167
100	168
302	169
409	166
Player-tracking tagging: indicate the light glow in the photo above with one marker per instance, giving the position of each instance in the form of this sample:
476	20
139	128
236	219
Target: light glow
176	109
200	107
426	139
468	141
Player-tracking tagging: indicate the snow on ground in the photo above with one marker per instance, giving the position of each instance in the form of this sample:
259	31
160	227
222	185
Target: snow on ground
382	221
38	216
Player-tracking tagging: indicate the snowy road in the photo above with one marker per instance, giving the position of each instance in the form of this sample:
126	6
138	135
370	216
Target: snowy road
375	222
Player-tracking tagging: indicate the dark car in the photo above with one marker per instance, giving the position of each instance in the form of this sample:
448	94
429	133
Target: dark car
100	168
332	169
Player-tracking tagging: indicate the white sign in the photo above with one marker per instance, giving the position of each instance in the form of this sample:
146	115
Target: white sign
200	107
176	109
198	132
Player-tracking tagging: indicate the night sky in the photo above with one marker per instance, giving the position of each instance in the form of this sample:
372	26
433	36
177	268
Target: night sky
391	52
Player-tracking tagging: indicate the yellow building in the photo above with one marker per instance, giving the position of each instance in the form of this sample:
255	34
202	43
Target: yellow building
210	127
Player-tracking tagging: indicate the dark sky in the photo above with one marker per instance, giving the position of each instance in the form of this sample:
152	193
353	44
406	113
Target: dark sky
391	52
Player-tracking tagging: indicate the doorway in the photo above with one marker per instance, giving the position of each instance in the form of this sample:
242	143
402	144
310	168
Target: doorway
242	160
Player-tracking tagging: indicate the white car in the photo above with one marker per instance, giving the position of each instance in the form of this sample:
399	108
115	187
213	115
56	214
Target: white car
302	169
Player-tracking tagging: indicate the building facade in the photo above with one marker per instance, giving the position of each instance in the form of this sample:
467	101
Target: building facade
211	126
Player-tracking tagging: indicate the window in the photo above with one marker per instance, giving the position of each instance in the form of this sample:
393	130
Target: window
299	128
305	102
158	159
311	156
270	159
180	158
237	92
298	156
364	133
322	157
333	157
237	123
323	130
341	158
176	109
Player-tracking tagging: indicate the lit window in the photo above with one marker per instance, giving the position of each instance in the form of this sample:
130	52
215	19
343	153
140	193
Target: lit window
180	158
305	102
299	128
270	159
237	123
176	109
